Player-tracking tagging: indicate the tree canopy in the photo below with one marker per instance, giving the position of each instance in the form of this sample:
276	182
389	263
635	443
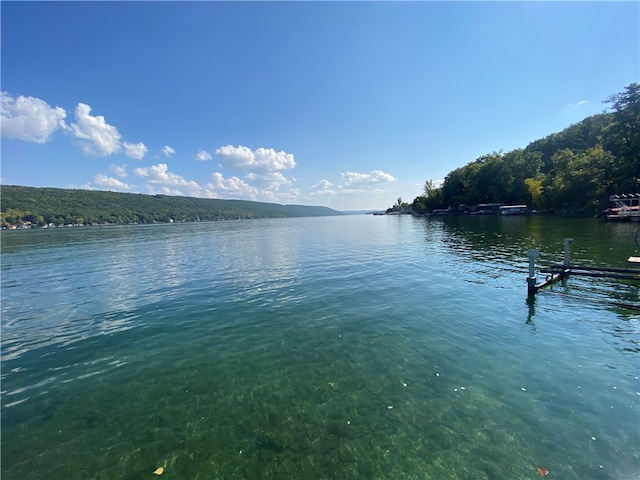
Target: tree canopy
575	170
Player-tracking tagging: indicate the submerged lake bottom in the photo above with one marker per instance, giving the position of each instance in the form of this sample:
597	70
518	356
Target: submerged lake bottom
332	348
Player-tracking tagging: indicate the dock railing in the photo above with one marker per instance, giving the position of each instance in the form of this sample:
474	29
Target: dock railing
557	272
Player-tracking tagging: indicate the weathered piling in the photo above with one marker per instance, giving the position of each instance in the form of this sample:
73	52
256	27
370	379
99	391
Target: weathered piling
531	279
532	285
567	248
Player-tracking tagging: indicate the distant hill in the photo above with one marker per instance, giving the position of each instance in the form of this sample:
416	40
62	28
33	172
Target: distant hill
58	206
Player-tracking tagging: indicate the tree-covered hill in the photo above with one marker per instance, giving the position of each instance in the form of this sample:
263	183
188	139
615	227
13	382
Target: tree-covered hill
42	206
574	170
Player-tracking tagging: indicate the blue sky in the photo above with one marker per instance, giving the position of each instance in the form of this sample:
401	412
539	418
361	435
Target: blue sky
347	105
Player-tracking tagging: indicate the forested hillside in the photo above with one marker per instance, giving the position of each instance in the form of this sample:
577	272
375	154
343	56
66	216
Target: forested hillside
42	206
574	170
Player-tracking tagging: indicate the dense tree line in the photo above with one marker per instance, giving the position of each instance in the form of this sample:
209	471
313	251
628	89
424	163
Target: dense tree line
44	206
575	170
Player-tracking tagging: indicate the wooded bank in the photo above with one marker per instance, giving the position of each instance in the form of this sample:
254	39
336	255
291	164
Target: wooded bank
58	206
575	170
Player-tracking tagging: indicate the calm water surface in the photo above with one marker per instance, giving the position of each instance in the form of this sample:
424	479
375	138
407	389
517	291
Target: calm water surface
354	347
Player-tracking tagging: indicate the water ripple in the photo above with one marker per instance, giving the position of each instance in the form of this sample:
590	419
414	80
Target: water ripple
357	347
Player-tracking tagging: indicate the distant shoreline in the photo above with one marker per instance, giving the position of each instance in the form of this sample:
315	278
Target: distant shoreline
31	207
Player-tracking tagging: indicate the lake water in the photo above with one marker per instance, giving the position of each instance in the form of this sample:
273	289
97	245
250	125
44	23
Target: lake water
354	347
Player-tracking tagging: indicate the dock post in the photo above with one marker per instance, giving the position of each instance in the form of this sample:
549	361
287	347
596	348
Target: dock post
567	242
531	279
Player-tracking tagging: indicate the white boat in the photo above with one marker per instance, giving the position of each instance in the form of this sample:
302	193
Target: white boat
513	210
627	207
487	209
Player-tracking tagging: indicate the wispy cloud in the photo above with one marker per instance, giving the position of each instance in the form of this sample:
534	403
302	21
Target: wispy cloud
576	104
322	185
377	176
104	181
353	183
203	156
168	151
119	170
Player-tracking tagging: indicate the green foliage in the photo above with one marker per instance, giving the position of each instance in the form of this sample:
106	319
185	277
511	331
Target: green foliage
622	136
534	186
431	199
42	206
574	170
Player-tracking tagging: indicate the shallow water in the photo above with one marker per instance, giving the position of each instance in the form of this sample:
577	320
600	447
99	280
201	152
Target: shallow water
340	347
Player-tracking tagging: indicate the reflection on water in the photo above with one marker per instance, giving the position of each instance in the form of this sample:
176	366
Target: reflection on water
505	240
346	347
596	242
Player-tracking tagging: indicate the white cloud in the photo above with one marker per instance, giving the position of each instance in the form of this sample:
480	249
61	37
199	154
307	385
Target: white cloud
232	187
323	188
352	184
268	181
239	158
168	151
263	179
136	151
377	176
203	155
165	190
261	161
322	193
322	185
353	191
29	118
101	138
33	120
158	176
119	170
102	180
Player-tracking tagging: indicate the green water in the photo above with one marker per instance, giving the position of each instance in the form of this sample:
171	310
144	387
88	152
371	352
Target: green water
345	347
